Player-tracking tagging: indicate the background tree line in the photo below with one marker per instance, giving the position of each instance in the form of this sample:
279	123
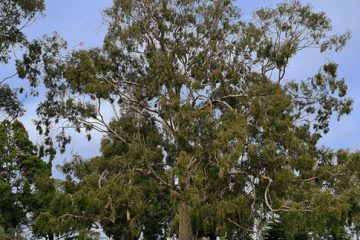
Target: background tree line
208	138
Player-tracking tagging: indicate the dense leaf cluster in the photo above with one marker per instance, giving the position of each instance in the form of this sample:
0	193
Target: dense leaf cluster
25	184
204	135
15	15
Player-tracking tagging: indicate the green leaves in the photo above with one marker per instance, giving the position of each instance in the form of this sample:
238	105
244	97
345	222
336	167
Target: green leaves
321	96
203	130
9	102
14	17
25	184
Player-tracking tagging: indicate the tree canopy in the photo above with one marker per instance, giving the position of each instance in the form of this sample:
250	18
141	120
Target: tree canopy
25	184
15	16
207	136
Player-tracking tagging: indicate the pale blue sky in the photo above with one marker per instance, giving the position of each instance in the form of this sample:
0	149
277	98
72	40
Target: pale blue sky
80	21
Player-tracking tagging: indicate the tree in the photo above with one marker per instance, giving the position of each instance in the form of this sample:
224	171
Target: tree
15	15
25	184
94	193
237	141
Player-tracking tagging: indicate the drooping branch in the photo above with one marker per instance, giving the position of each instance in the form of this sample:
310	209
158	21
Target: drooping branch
153	174
242	227
266	194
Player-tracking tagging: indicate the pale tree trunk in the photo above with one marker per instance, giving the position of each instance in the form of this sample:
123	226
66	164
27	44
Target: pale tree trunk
129	234
185	228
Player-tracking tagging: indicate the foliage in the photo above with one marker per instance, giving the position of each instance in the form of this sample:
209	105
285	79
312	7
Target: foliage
96	191
25	184
15	15
204	122
275	231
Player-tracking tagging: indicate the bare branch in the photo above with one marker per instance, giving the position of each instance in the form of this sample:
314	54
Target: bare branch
266	194
101	177
7	78
241	227
152	173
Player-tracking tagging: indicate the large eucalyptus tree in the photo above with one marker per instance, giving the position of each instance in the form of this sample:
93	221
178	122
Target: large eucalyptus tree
202	107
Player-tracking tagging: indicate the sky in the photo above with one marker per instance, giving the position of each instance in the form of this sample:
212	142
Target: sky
80	23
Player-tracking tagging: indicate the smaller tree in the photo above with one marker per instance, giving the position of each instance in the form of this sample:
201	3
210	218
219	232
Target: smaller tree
25	184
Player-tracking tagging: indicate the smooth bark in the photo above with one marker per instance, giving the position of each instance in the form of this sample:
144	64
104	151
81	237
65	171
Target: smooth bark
185	228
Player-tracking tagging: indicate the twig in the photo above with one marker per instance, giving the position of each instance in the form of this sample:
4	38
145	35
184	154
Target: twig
241	227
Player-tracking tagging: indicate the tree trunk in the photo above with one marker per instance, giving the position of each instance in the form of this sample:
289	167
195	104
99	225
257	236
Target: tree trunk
129	234
51	236
212	237
185	228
